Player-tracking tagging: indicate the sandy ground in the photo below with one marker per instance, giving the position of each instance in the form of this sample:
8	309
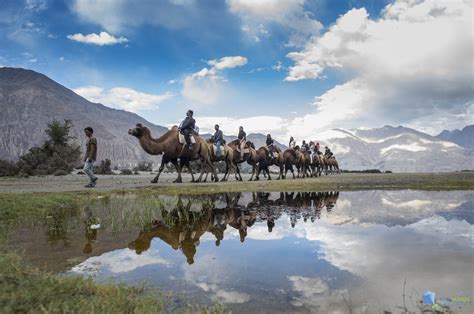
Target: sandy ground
75	182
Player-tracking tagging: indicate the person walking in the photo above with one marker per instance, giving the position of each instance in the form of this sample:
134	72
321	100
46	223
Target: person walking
90	157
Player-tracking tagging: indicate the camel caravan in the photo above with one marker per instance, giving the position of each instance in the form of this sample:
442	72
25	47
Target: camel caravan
183	144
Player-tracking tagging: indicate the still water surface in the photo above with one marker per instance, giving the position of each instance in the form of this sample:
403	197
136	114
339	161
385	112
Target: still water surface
272	252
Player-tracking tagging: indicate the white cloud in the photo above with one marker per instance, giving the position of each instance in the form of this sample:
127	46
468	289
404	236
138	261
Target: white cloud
36	5
228	62
256	14
122	98
278	66
414	62
206	85
259	124
121	15
102	39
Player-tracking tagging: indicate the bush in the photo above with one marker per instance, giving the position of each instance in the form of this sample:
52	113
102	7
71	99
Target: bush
103	168
126	172
8	168
136	172
56	156
143	166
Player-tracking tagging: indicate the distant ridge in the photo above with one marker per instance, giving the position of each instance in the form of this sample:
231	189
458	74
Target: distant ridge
464	137
30	100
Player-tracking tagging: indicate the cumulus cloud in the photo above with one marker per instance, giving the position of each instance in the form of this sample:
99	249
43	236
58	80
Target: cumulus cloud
256	14
205	86
414	62
122	98
102	39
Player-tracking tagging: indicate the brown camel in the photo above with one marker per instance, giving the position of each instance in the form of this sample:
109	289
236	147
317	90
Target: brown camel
248	155
226	155
302	162
166	159
265	161
289	159
317	165
332	165
169	144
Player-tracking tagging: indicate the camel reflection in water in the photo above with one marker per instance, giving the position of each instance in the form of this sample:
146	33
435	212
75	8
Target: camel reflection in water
191	217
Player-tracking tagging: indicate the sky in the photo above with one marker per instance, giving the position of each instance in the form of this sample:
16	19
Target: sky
285	67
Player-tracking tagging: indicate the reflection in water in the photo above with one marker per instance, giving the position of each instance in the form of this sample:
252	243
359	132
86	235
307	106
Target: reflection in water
273	252
181	228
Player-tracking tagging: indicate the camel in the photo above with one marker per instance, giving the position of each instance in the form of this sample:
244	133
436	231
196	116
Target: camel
169	144
226	155
289	159
264	161
317	165
167	159
302	162
332	165
250	157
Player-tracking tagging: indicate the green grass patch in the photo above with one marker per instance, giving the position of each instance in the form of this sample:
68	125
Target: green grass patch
24	289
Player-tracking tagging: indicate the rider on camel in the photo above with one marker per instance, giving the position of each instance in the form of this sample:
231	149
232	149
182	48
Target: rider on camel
187	127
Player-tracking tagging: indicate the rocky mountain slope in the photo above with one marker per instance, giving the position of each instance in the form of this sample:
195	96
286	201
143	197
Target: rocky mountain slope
30	100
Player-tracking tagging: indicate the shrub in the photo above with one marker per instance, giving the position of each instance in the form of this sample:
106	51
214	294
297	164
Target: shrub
104	167
56	155
126	172
136	172
143	166
8	168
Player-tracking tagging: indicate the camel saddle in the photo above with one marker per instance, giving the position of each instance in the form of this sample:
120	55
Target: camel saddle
182	140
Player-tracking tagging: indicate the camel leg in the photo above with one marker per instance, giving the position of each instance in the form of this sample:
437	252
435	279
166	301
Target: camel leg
213	170
162	167
268	173
253	171
238	172
226	172
179	179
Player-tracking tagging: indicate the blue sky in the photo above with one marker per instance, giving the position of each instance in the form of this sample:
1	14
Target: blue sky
293	67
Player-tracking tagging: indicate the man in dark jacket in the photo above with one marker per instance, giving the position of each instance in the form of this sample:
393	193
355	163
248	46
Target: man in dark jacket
218	139
328	153
187	127
305	146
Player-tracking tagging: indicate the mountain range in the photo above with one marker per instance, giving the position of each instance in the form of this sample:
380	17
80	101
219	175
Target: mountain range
30	100
464	137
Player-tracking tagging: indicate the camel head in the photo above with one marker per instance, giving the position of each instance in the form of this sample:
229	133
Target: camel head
249	144
138	131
